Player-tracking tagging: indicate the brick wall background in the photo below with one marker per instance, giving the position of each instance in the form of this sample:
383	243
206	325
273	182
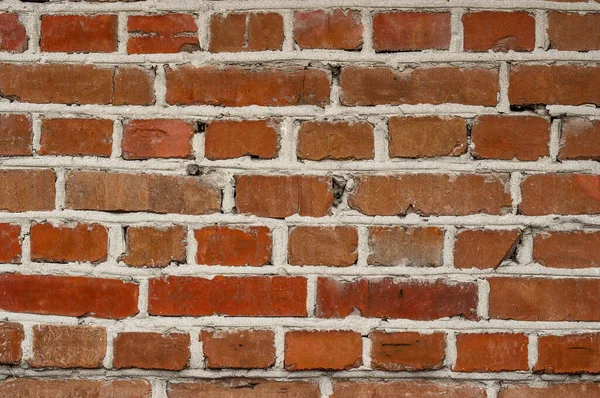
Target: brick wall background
332	198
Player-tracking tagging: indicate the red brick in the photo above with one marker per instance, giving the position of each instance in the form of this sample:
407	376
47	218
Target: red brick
244	388
15	133
331	246
334	30
76	137
578	353
491	352
22	387
228	139
338	140
68	296
66	243
580	139
10	243
322	350
151	350
407	351
11	335
421	389
246	32
13	37
153	247
572	84
68	347
570	390
411	31
412	193
402	246
97	190
498	31
560	194
540	299
558	249
510	137
168	33
79	33
26	190
484	248
228	295
386	298
238	86
427	136
157	138
220	245
283	196
76	84
362	86
574	32
238	349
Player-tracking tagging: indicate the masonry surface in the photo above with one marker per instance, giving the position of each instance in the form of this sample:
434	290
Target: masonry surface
334	198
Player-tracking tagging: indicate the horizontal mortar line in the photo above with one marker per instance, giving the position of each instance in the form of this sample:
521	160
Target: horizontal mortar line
362	325
209	271
482	220
204	58
188	375
224	6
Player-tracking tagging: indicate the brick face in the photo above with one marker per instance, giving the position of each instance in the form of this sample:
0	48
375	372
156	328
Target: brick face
76	137
498	31
335	29
411	31
79	33
238	349
407	351
15	135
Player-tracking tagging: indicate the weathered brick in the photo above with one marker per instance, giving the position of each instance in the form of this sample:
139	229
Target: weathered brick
238	349
15	134
221	245
407	351
411	31
106	191
560	194
363	86
151	350
228	295
484	248
567	249
228	139
322	350
427	136
510	137
580	139
576	353
66	243
68	346
10	243
371	388
331	246
133	86
574	32
386	298
283	196
154	247
22	387
68	296
412	193
541	299
11	335
569	390
79	33
337	140
246	32
244	388
239	86
572	84
335	29
76	137
168	33
401	246
491	352
13	37
26	190
498	31
157	138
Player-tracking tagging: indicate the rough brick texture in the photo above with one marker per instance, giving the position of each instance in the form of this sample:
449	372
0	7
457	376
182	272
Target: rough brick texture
301	199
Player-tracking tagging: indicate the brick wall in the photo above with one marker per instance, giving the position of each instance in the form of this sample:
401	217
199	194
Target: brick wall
334	198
